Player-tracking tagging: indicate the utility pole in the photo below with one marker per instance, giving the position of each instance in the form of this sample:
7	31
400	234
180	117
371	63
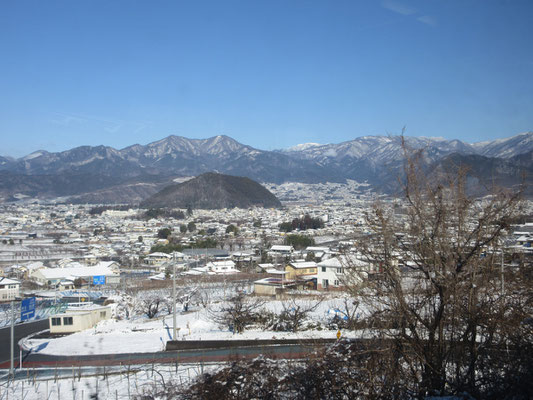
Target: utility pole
11	365
174	337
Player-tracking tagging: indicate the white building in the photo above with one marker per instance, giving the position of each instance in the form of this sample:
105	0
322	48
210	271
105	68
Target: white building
282	250
331	273
9	289
320	252
52	276
28	269
78	317
222	267
157	258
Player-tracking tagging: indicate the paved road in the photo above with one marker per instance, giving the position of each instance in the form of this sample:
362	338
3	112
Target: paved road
21	331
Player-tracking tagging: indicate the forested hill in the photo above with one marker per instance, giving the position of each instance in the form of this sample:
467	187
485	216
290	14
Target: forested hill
213	191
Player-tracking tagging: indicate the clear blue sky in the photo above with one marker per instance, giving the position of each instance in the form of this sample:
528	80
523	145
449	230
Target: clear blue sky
268	73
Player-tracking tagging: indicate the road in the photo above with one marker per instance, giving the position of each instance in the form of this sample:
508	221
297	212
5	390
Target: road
21	331
186	356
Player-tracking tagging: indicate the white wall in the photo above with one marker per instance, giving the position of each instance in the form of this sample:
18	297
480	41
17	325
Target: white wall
334	275
10	292
81	319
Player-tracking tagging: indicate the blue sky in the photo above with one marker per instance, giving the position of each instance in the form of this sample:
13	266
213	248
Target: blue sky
270	74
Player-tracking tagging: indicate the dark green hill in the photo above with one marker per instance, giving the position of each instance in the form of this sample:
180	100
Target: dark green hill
213	191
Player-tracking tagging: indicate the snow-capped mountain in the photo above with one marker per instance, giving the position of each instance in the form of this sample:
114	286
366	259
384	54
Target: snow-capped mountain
506	148
302	146
5	161
371	158
173	151
221	146
388	148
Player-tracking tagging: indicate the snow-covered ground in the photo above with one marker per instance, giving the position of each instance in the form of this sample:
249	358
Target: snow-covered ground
122	383
142	335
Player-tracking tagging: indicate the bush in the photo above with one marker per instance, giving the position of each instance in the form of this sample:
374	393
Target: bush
299	241
307	222
238	313
232	229
346	370
162	213
164	233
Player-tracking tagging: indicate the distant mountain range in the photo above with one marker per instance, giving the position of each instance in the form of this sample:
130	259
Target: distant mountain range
103	174
213	191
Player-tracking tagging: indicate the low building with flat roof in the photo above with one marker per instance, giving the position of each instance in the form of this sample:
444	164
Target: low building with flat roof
78	317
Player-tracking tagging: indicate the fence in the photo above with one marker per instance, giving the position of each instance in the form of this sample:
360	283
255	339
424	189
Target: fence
44	308
119	382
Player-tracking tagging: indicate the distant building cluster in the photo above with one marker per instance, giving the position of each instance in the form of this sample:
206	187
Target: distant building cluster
48	248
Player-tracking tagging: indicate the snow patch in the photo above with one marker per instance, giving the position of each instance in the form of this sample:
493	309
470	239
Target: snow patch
303	146
33	155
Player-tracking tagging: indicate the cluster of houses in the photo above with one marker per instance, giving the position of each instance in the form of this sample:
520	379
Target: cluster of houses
66	277
68	274
74	241
332	273
76	316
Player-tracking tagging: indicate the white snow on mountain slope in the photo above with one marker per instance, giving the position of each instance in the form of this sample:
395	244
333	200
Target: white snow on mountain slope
180	155
388	148
507	147
34	155
302	146
216	146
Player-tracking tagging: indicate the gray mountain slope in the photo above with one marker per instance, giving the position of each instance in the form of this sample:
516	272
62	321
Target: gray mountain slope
213	191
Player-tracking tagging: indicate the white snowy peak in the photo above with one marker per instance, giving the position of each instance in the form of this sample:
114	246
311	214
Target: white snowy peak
217	145
302	146
507	147
388	148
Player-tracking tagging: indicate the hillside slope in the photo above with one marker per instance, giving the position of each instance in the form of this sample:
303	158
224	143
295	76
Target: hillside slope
213	191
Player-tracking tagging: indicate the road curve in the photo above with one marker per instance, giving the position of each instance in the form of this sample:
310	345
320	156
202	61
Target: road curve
21	331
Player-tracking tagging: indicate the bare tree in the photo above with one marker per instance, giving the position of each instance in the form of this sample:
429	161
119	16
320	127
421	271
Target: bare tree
127	304
436	291
431	290
238	312
203	297
293	315
167	300
150	305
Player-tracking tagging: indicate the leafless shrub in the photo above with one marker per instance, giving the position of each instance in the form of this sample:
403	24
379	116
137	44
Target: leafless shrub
347	370
238	312
293	315
150	306
127	304
434	287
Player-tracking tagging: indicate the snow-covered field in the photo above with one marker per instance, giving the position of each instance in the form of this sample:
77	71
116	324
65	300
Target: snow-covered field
139	334
143	335
117	384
